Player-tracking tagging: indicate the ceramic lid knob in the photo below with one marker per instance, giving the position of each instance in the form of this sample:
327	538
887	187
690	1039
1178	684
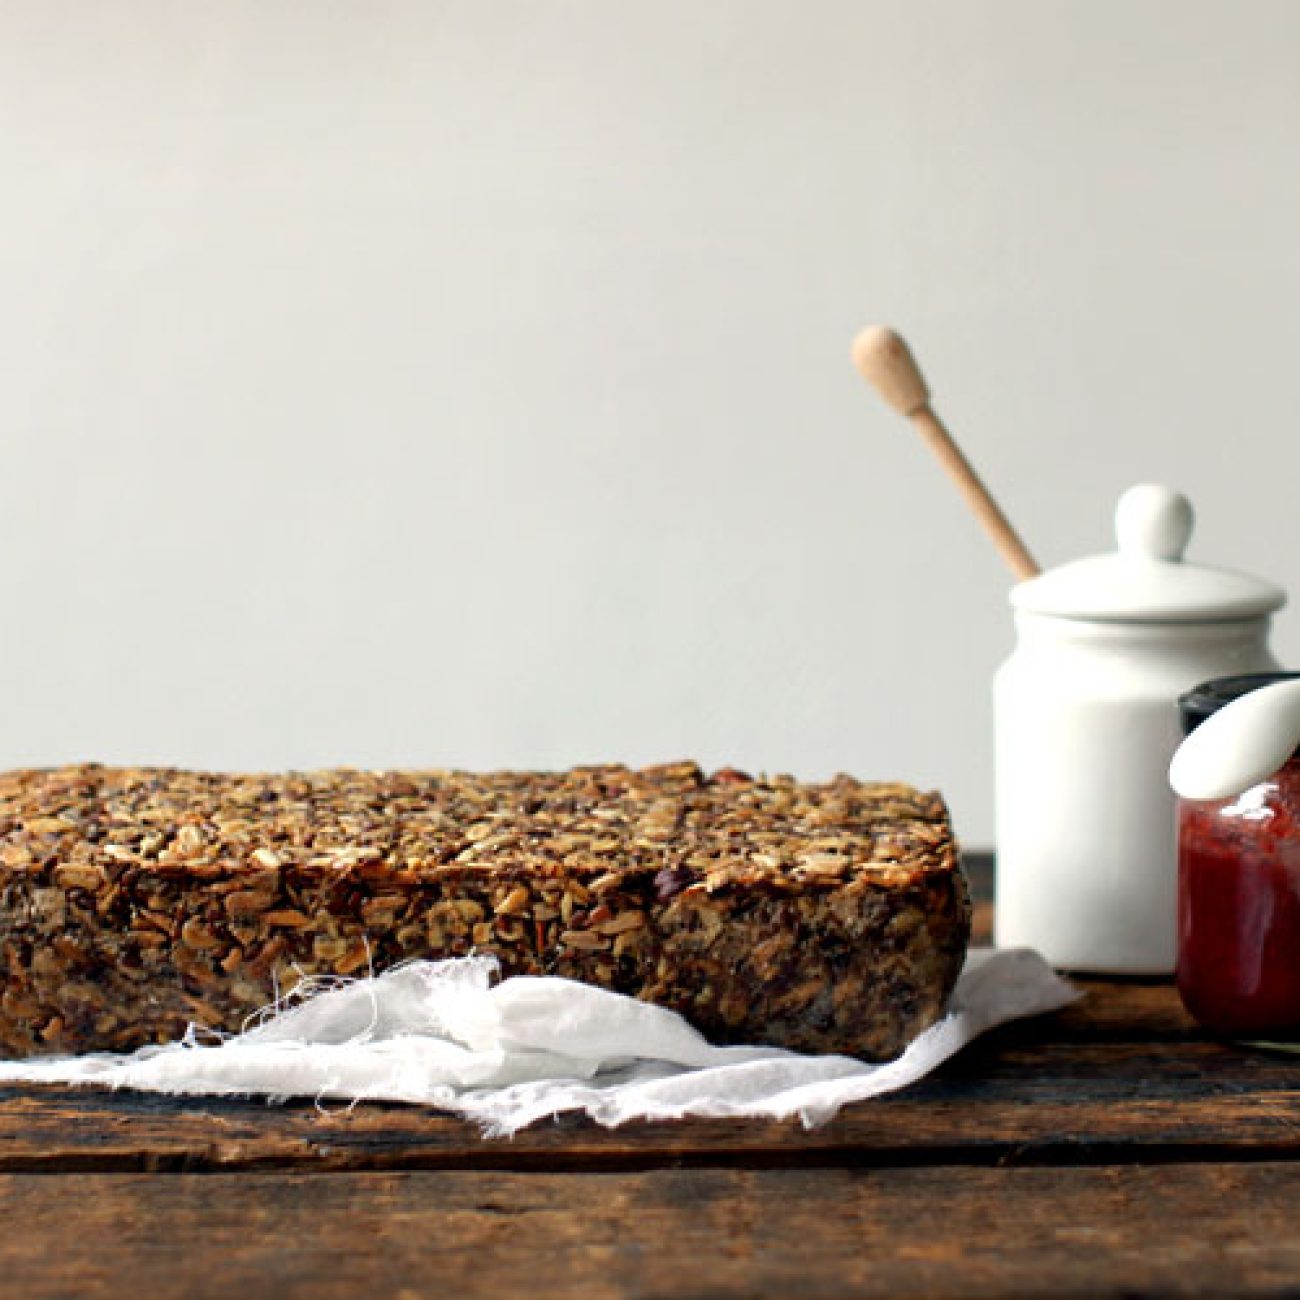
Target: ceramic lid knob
1153	521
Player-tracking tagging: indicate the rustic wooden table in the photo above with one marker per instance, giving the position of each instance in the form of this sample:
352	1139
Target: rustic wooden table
1109	1149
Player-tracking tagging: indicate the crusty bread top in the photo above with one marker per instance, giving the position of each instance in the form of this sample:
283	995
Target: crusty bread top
672	821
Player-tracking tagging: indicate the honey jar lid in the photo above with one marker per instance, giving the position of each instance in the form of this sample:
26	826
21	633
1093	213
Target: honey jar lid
1146	579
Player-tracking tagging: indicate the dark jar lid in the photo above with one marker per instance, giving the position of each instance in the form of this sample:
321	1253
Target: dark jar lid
1209	697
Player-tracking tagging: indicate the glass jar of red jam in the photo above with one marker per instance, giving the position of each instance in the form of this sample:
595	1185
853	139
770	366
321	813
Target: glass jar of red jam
1239	893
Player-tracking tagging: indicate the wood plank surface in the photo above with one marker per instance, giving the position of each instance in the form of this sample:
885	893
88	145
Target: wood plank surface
1058	1089
1201	1229
1108	1149
1122	1075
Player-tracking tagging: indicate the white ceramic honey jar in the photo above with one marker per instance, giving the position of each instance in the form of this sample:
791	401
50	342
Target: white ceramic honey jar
1086	722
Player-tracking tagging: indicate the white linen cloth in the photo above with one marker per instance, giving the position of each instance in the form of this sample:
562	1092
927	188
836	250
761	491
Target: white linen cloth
508	1054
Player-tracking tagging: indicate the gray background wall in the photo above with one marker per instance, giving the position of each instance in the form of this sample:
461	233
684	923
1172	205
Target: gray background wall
466	383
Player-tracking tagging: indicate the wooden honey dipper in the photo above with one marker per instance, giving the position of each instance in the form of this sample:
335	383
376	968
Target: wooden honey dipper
887	364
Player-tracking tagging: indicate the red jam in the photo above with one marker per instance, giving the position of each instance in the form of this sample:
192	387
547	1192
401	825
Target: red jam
1239	910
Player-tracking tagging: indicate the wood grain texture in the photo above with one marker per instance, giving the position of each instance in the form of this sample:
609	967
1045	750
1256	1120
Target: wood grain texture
1123	1074
823	1233
1061	1089
1109	1149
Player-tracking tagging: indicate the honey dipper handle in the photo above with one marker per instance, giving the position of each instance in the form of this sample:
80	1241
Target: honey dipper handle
886	363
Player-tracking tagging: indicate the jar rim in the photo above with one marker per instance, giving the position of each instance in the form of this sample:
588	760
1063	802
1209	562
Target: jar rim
1206	699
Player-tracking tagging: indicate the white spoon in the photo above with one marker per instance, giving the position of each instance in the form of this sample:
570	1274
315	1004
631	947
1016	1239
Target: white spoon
1242	744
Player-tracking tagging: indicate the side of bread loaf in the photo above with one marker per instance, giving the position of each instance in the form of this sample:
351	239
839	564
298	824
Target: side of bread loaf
134	902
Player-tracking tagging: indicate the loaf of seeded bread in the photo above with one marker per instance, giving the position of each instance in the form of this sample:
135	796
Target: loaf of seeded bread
134	901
